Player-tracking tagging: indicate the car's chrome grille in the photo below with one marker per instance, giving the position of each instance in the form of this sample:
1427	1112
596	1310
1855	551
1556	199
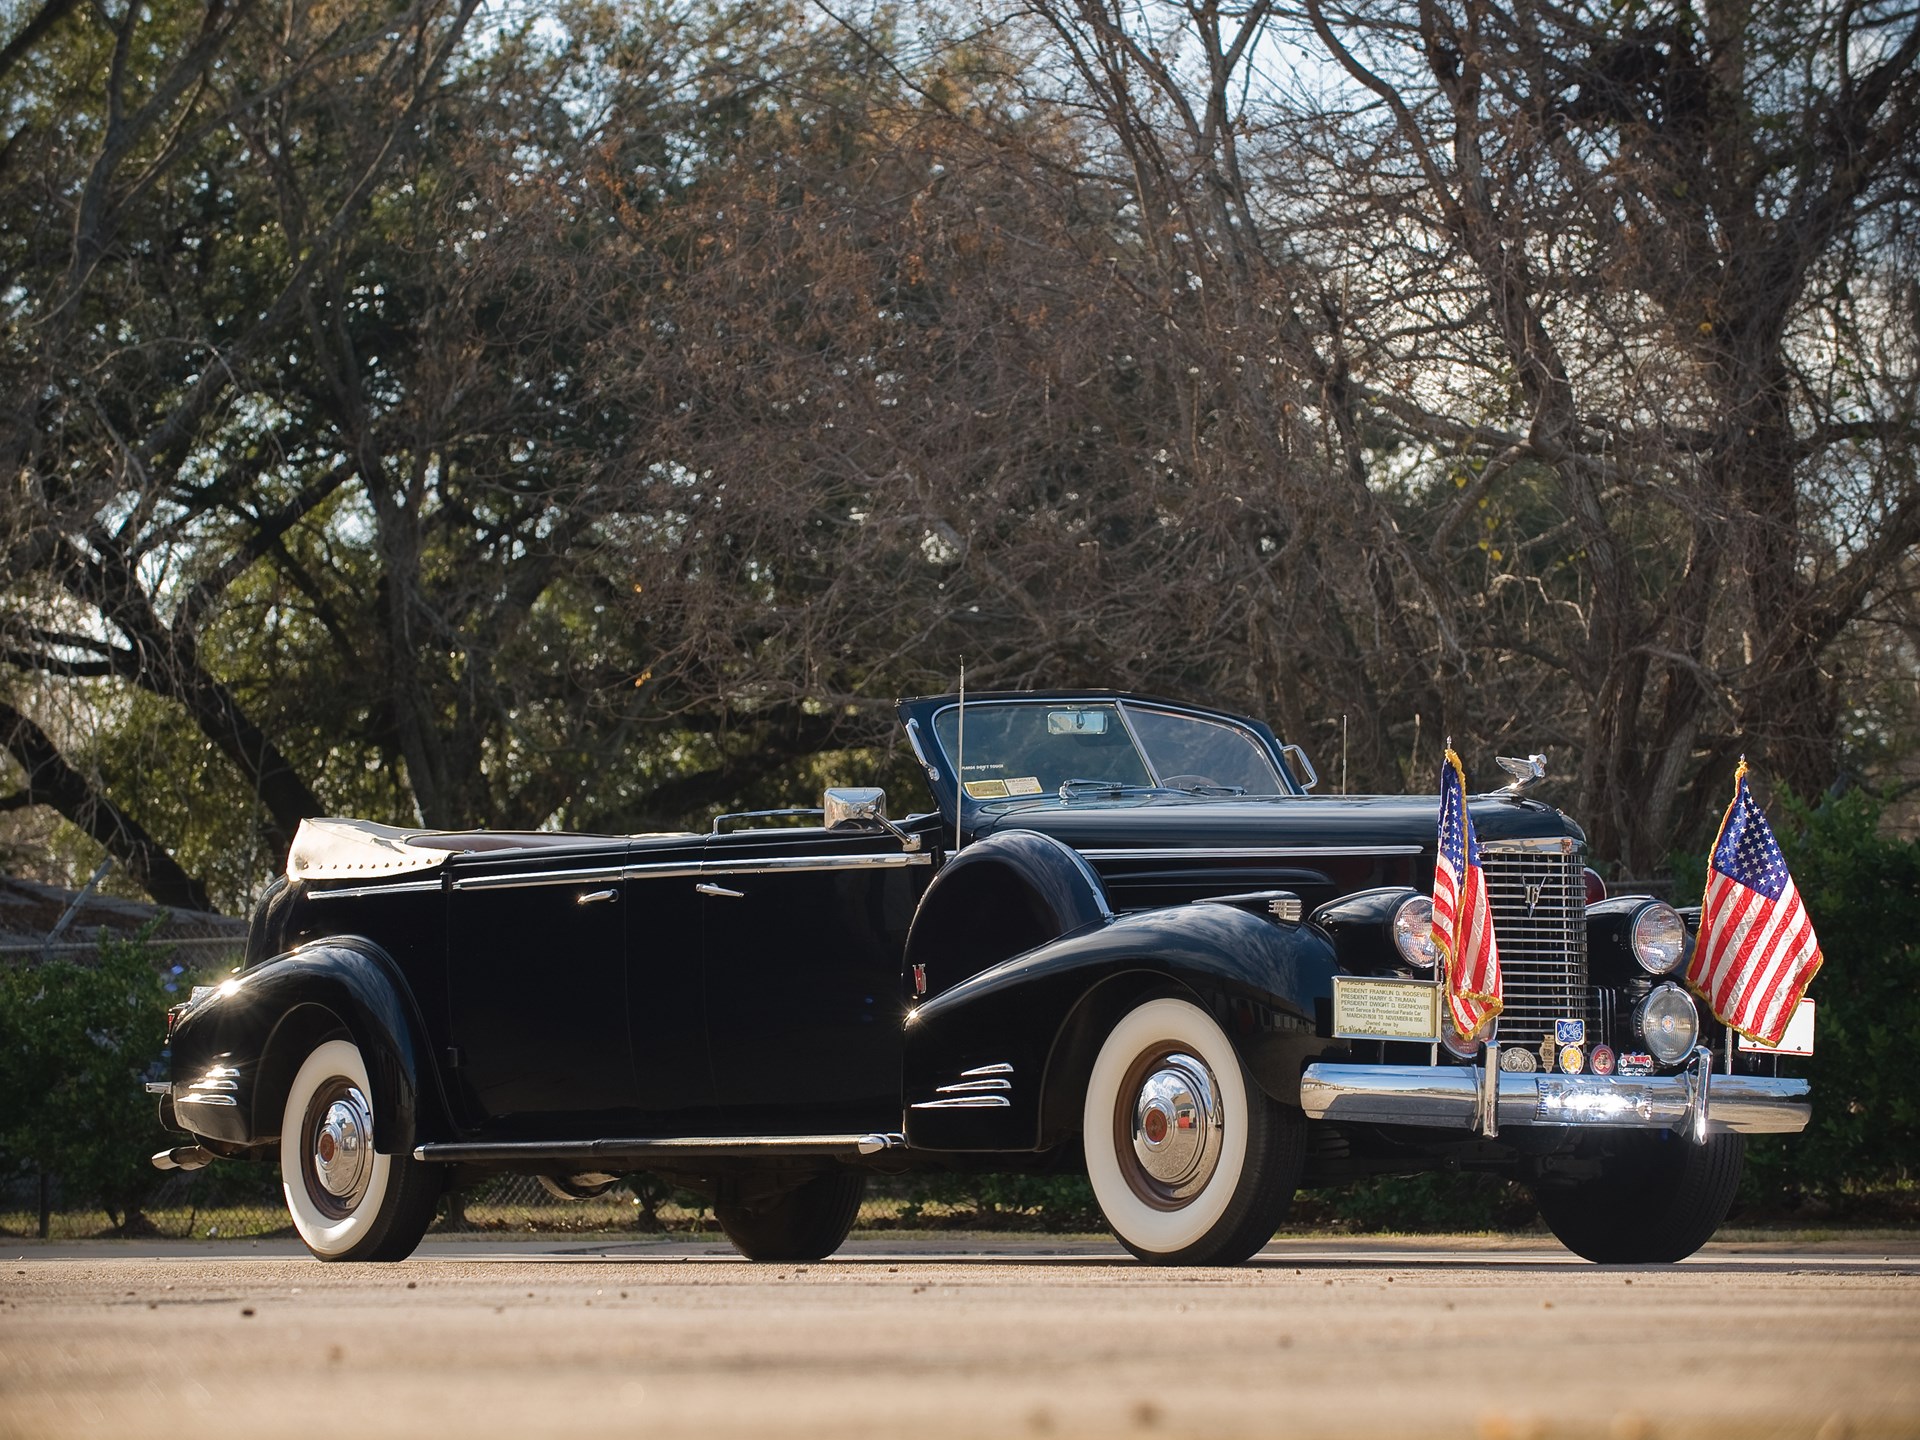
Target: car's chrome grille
1539	901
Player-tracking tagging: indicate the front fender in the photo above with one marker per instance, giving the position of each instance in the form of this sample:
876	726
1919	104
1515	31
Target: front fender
235	1052
996	1062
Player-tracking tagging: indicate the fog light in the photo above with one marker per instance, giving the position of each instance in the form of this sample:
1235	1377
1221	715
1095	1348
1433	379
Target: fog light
1457	1044
1667	1023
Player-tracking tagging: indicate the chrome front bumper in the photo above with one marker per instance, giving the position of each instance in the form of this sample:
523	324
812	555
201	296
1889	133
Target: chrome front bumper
1453	1096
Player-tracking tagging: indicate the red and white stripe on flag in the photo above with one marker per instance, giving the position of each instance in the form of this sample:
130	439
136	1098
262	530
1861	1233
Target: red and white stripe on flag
1756	951
1462	917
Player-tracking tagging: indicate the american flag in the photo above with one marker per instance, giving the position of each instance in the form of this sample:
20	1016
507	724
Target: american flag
1757	951
1462	920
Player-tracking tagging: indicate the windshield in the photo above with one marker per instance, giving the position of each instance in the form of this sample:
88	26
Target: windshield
1033	748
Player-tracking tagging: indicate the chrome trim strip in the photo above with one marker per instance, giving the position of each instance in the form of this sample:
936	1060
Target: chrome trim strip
598	875
966	1102
1555	844
967	1086
812	862
214	1085
690	1145
191	1099
352	892
998	1068
660	870
919	751
1449	1095
1262	852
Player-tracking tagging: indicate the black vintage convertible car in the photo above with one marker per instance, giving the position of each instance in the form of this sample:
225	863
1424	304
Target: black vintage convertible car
1128	938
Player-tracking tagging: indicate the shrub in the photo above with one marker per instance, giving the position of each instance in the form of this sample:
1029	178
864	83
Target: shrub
76	1041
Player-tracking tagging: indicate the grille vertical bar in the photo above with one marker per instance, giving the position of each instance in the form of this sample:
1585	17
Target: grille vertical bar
1539	901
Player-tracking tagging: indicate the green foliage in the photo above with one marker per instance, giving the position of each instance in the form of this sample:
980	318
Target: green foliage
1054	1203
1420	1204
76	1041
1862	892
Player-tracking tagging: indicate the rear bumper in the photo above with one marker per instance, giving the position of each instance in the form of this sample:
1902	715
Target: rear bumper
1450	1096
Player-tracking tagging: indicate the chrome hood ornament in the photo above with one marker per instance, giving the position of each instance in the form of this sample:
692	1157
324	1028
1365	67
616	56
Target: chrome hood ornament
1530	771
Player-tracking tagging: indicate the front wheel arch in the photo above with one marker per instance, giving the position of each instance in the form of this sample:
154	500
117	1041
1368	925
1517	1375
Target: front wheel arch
1080	1036
1079	1040
296	1035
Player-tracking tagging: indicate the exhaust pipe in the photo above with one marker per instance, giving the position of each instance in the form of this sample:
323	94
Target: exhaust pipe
183	1157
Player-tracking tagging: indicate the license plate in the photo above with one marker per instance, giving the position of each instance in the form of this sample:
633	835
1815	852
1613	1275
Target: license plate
1385	1009
1799	1037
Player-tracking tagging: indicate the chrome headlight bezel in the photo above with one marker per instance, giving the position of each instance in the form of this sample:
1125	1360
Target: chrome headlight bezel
1667	1022
1658	939
1412	931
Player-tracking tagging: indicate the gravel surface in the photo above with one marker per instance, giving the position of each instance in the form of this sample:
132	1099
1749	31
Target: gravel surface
1495	1340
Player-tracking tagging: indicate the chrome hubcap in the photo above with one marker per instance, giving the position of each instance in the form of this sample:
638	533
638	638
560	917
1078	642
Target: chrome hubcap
1177	1127
342	1149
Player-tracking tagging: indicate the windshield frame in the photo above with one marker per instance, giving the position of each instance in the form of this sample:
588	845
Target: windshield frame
922	716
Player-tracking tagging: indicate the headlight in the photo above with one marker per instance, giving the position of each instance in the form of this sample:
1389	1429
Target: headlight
1667	1023
1659	939
1413	932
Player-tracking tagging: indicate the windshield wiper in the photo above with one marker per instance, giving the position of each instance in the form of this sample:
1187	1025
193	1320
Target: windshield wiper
1069	789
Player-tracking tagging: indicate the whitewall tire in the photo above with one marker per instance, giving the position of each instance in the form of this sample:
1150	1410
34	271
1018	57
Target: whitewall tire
348	1201
1191	1162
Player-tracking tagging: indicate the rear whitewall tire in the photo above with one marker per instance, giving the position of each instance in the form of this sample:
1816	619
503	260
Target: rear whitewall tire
1224	1203
347	1200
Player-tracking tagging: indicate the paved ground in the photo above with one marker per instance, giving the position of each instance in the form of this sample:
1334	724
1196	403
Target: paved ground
1497	1341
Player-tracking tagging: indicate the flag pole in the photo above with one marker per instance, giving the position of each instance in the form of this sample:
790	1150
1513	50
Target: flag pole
960	762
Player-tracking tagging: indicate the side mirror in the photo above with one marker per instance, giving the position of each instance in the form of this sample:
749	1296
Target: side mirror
854	807
1300	766
858	809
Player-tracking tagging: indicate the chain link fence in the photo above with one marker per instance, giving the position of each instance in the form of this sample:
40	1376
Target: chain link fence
237	1201
230	1200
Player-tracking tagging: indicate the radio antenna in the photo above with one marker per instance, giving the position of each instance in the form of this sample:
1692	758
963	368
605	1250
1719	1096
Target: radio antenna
960	762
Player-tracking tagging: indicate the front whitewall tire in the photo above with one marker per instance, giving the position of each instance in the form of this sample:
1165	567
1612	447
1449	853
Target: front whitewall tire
1171	1025
347	1200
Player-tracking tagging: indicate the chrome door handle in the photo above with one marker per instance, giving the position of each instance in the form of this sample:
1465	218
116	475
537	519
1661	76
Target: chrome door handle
722	891
594	897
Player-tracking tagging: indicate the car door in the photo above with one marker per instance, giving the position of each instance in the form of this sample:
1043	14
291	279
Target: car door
537	988
803	938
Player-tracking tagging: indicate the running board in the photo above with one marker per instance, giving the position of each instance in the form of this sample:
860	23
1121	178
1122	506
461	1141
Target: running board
688	1147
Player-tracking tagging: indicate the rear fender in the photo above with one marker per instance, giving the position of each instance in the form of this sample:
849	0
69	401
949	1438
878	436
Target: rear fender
246	1041
999	1061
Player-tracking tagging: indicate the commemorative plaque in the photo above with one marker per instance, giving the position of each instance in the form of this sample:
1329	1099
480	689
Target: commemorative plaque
1365	1009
